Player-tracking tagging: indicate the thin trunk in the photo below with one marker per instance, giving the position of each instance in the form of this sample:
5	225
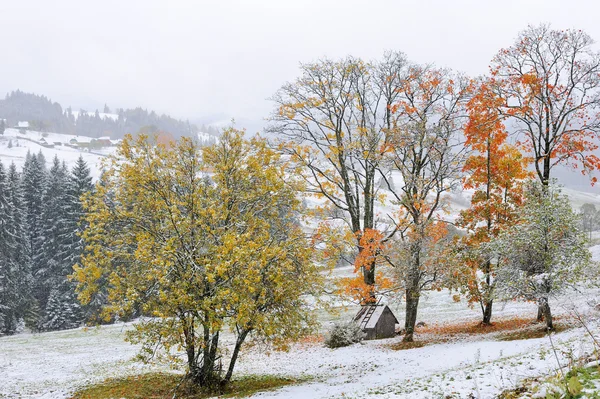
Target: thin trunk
238	344
545	307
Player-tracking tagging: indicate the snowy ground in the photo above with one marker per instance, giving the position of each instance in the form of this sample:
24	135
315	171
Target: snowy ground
22	143
51	365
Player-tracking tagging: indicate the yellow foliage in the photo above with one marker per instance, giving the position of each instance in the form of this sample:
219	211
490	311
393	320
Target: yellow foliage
202	239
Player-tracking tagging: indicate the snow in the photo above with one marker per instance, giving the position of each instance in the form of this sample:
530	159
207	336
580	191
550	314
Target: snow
51	365
31	141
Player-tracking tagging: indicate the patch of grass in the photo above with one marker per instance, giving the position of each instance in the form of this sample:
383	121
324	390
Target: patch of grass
579	382
530	333
400	346
498	325
164	385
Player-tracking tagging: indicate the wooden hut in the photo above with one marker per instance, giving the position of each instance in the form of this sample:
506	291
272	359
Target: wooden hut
377	321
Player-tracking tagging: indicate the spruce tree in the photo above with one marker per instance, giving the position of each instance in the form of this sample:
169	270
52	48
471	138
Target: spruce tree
33	186
23	279
8	290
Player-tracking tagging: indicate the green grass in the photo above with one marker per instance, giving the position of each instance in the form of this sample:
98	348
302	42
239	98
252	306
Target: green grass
164	385
579	382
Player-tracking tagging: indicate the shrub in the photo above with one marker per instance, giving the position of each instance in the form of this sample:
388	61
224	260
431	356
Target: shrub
344	334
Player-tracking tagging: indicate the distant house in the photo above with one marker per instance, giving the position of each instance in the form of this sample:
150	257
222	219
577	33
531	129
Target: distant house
377	321
22	126
43	141
104	141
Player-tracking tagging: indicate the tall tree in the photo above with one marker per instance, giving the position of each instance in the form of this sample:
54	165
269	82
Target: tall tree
8	288
425	149
335	121
495	171
15	279
200	253
61	309
33	186
549	82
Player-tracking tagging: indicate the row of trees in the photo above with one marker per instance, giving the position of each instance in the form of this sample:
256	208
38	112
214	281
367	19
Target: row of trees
349	124
209	239
40	210
45	115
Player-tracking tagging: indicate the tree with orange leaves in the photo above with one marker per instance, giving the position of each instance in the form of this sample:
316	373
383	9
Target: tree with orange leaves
495	171
549	86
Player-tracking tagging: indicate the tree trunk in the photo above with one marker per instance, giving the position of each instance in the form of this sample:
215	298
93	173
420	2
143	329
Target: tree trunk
540	314
369	278
202	370
487	312
412	305
545	307
238	344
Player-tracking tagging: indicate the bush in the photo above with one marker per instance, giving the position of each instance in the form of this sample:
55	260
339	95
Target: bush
344	334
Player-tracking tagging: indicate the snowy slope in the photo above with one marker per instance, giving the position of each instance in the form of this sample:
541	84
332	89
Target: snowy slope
31	141
51	365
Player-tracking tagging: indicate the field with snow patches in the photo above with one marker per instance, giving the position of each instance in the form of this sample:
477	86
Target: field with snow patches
51	365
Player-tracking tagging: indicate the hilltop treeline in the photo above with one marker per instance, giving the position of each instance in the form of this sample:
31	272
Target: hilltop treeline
45	115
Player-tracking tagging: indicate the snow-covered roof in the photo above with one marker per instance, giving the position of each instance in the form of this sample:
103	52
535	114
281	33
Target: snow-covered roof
24	124
374	317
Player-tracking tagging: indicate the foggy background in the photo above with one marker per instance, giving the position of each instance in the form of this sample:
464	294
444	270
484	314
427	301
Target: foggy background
211	61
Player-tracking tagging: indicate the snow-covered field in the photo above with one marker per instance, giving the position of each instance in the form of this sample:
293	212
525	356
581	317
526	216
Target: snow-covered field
50	365
30	141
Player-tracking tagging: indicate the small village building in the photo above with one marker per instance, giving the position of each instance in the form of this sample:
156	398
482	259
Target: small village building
376	321
22	126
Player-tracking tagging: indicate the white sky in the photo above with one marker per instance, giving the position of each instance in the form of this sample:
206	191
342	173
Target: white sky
223	59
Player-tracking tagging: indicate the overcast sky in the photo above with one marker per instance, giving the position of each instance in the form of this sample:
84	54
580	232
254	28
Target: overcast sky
223	59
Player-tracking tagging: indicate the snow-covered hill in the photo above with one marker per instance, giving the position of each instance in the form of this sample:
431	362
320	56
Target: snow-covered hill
14	146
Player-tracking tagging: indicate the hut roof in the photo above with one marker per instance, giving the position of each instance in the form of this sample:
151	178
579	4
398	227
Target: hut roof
373	316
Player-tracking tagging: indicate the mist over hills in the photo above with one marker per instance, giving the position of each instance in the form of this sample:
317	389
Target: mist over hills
42	114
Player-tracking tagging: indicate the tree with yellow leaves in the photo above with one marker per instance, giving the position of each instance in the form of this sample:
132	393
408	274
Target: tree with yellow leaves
203	240
334	123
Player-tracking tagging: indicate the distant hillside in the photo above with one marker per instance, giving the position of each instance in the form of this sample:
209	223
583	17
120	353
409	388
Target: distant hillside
47	116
